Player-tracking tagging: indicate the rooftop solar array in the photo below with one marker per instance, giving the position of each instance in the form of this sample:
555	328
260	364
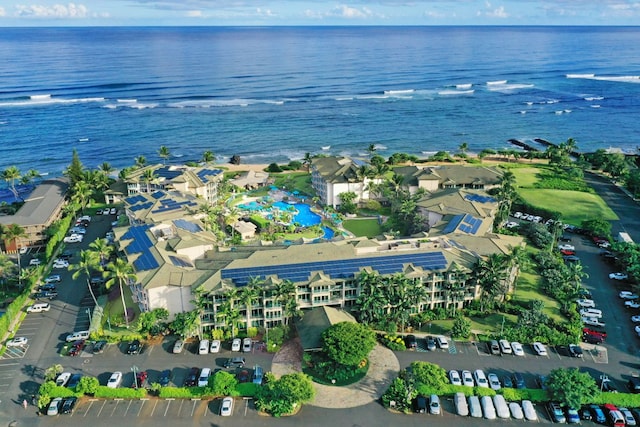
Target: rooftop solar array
169	204
158	195
480	198
140	206
186	225
204	174
167	173
141	244
453	224
338	269
470	224
179	262
135	199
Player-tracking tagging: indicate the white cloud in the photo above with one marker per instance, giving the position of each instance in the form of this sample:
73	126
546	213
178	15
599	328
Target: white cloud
194	14
2	11
70	10
344	11
498	13
265	12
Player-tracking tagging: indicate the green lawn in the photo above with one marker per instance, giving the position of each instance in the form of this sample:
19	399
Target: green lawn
575	206
527	290
368	227
525	177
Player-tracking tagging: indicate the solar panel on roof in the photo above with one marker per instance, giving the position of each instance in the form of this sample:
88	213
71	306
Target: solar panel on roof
135	199
453	223
205	173
158	195
186	225
166	172
338	268
479	198
179	262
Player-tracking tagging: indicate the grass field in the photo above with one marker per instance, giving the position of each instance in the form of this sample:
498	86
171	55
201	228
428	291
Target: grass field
575	206
363	227
527	290
525	176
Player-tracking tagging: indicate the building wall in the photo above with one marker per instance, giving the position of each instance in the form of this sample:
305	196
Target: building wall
174	298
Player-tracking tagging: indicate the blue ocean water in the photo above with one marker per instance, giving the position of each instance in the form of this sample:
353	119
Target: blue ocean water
272	94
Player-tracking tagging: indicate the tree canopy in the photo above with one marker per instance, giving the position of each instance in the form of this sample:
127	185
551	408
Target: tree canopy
348	343
571	387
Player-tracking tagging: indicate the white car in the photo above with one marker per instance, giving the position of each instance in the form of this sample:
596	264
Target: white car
566	247
226	409
215	346
74	238
54	278
637	329
39	307
54	406
61	264
236	344
592	321
635	319
63	379
246	345
114	380
628	295
454	377
203	348
517	215
494	382
505	347
539	348
632	304
467	379
529	411
517	348
35	261
480	378
586	303
618	276
516	411
78	230
17	342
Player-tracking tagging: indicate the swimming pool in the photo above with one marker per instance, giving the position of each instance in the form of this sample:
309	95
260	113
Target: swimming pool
305	217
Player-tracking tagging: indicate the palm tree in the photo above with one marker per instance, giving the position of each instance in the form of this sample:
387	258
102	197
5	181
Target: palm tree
208	157
120	271
249	294
306	161
491	275
371	300
102	250
87	264
29	176
82	192
140	161
7	268
463	148
10	233
149	176
228	310
106	168
285	294
371	149
10	175
164	153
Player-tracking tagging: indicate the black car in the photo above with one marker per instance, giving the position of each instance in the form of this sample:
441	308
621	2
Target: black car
518	380
598	414
99	346
575	350
134	347
235	362
607	386
410	342
634	385
556	413
585	413
165	378
66	255
192	378
47	287
592	338
46	295
68	404
506	382
74	380
420	405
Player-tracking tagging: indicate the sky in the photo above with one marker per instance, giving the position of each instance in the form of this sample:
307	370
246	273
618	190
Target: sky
20	13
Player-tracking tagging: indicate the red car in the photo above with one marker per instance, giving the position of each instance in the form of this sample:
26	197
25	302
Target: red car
600	334
76	348
567	252
141	377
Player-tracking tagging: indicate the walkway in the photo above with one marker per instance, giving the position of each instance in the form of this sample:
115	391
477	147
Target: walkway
383	369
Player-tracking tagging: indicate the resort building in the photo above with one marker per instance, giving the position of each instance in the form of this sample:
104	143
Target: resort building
200	182
332	176
40	209
434	178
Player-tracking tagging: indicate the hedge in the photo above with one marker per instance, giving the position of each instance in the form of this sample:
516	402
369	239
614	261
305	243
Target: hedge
182	392
627	400
120	393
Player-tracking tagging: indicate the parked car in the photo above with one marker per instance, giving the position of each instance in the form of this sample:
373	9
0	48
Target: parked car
63	379
480	378
420	404
586	303
34	262
467	379
517	348
68	404
566	247
539	348
541	380
618	276
518	380
215	346
17	342
585	413
628	416
39	307
598	414
529	411
165	377
454	377
434	404
607	385
203	348
575	350
134	347
516	411
54	278
76	348
572	416
54	406
507	382
236	344
505	347
192	377
74	380
115	380
98	346
431	343
593	321
632	304
634	385
178	346
235	362
494	382
494	347
442	342
78	335
60	263
46	295
555	413
409	341
226	408
628	295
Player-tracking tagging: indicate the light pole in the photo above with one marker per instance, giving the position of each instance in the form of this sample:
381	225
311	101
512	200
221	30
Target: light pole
134	368
88	311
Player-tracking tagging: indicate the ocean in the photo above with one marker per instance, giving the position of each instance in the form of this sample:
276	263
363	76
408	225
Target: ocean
274	94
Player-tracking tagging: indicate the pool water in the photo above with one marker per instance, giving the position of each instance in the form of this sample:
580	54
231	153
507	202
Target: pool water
305	217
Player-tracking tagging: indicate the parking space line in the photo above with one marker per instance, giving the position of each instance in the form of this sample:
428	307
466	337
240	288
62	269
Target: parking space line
246	406
115	406
141	406
89	407
168	404
101	408
195	402
128	406
180	407
206	408
154	407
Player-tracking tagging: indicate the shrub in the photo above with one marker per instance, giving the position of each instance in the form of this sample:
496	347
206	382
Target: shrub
534	395
393	342
619	399
252	332
246	390
120	393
